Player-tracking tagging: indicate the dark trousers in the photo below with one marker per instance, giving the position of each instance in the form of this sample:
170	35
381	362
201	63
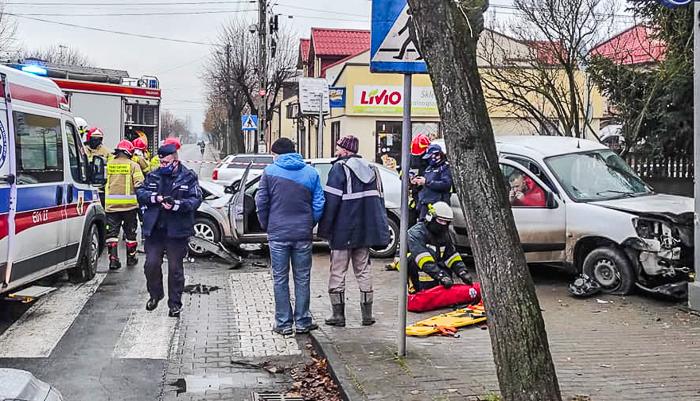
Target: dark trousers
176	249
117	220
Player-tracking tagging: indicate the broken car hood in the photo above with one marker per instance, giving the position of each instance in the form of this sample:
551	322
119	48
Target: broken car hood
658	204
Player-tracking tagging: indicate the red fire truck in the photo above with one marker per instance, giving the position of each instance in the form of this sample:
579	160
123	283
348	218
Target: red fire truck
109	99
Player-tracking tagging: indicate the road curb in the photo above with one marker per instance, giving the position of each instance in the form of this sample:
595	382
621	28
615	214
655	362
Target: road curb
336	366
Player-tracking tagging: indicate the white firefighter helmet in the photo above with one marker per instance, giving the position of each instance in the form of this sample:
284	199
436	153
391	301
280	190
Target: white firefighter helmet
441	210
81	123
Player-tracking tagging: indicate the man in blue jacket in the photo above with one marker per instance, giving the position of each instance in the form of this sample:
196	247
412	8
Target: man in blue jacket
354	219
170	194
289	203
436	181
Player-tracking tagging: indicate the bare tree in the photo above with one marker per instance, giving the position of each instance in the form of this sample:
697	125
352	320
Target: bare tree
536	74
8	31
173	126
232	78
63	55
449	32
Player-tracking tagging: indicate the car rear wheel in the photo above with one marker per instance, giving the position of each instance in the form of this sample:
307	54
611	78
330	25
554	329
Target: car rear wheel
610	267
206	229
87	266
390	250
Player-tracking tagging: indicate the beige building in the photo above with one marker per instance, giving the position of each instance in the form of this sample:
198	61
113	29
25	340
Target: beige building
372	109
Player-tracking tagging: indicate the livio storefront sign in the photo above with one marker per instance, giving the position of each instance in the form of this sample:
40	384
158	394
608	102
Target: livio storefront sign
372	99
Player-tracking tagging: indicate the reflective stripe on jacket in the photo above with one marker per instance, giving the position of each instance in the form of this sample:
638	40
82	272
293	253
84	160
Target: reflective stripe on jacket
123	177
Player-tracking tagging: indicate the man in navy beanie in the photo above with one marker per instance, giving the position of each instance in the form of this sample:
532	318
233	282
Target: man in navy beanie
289	202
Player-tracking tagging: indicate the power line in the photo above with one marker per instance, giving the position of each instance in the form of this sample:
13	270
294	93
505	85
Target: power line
322	11
114	32
182	65
128	14
131	4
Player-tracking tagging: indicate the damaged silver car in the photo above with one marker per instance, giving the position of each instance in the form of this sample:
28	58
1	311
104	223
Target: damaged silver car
577	203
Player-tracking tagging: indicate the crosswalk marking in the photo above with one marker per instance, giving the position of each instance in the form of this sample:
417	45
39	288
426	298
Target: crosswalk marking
147	335
37	332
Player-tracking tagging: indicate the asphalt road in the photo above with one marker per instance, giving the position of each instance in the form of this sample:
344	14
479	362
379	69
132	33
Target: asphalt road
72	339
203	165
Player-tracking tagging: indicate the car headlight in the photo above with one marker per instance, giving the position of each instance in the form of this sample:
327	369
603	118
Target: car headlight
647	229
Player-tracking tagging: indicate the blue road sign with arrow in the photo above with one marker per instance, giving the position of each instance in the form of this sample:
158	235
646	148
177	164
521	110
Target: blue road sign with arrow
394	39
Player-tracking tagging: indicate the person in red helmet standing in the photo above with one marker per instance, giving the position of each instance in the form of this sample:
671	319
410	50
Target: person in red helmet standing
141	155
123	177
419	145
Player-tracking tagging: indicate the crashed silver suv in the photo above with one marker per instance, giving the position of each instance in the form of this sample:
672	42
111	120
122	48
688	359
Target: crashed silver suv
578	203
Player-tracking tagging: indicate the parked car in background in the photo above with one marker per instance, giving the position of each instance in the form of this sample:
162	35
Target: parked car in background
232	167
241	225
597	215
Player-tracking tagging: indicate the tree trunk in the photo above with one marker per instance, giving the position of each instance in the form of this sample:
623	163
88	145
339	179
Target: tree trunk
236	139
518	337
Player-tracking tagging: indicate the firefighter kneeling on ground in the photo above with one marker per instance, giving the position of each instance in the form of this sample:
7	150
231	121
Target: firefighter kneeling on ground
121	204
433	258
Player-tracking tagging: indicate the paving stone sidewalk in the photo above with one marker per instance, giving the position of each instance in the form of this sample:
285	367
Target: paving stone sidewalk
610	348
231	323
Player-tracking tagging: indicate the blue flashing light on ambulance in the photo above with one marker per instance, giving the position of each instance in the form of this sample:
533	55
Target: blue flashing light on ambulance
50	216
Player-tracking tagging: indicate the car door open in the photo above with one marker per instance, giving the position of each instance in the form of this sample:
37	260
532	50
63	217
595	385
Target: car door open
236	209
540	215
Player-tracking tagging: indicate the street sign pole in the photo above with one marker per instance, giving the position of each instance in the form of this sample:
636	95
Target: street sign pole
406	136
319	143
694	286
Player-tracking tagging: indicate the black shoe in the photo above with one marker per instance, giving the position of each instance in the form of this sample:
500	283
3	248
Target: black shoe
131	260
152	304
175	312
283	332
305	330
115	264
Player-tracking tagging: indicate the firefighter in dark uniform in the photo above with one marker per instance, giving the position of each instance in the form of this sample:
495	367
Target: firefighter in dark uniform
436	180
433	258
171	195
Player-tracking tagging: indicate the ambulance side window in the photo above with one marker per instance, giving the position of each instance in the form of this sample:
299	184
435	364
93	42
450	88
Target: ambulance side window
39	148
78	169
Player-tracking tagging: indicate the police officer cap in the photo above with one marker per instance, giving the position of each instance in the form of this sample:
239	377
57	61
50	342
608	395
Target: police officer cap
167	150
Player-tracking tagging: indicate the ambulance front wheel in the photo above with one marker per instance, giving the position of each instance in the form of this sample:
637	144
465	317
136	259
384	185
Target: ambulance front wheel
87	265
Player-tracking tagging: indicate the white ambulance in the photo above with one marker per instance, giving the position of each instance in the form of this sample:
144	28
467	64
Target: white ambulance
50	216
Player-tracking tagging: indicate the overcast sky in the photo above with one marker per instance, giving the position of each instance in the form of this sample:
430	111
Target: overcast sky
177	65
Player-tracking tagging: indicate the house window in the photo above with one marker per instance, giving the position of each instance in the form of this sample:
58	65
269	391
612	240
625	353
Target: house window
335	135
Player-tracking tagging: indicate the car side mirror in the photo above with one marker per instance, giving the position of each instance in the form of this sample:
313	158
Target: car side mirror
550	200
97	171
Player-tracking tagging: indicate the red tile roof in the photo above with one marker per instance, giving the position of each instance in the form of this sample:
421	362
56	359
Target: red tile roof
339	42
304	45
632	46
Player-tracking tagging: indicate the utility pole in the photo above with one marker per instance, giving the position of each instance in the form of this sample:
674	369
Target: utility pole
262	71
694	286
227	142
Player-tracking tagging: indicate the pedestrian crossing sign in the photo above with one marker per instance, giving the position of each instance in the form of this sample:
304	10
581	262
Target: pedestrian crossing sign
250	122
395	46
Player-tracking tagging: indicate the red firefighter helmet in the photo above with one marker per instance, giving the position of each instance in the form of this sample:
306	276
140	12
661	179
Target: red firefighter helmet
96	132
139	143
419	144
126	147
172	141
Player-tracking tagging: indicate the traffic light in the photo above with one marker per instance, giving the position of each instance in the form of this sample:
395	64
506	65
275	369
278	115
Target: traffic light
274	23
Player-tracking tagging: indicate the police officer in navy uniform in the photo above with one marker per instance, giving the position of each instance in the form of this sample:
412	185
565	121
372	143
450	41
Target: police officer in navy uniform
170	194
436	180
